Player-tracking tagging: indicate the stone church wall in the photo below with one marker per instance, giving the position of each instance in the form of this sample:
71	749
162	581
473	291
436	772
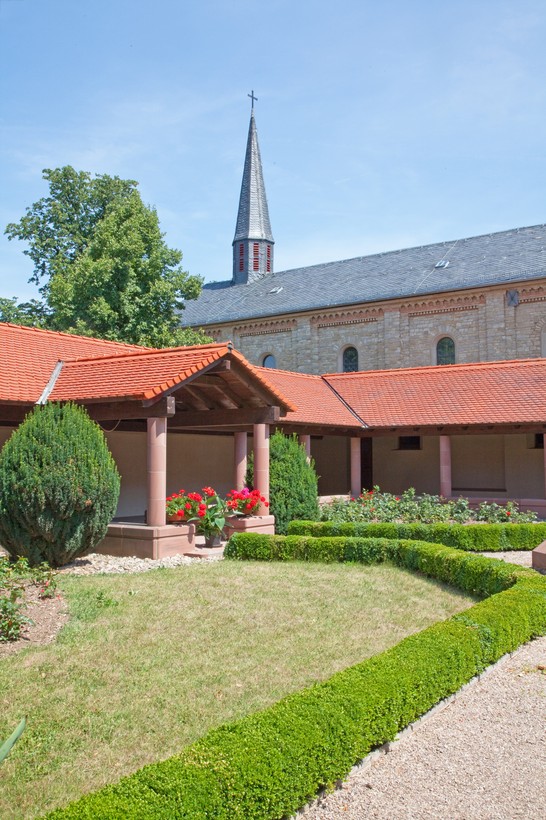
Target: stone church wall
400	333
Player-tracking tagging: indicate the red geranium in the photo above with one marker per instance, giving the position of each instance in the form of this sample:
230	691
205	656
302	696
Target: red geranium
245	501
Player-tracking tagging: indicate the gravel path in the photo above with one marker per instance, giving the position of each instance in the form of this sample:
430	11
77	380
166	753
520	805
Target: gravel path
482	758
522	557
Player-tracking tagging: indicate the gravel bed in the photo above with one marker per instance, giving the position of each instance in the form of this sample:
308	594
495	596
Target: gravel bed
97	564
483	757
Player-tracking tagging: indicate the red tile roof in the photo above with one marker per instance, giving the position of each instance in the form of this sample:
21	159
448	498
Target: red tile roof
316	403
146	374
30	354
510	392
139	375
97	370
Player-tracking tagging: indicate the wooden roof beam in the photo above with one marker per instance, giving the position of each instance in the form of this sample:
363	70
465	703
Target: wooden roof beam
225	418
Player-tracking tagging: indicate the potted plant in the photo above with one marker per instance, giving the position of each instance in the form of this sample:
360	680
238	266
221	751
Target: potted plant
245	501
210	517
182	507
243	506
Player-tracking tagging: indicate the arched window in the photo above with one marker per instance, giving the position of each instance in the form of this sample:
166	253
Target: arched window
269	360
350	360
445	351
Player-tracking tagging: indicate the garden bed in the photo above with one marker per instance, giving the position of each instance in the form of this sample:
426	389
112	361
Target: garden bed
149	663
271	763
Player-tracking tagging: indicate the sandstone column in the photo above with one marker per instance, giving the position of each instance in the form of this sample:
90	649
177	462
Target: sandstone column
356	468
157	471
445	466
261	463
240	458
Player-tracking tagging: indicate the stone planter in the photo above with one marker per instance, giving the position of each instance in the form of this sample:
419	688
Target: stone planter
145	541
264	524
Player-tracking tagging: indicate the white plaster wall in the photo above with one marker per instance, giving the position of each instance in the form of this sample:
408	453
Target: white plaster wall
195	461
478	465
524	467
395	470
192	462
331	455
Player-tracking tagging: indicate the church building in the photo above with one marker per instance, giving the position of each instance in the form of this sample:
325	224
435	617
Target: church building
482	298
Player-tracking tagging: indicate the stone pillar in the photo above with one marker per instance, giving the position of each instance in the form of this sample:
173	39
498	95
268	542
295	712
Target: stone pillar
356	468
157	471
305	442
544	451
261	463
445	466
240	459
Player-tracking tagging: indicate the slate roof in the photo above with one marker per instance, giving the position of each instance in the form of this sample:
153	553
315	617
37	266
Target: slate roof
253	215
509	392
500	258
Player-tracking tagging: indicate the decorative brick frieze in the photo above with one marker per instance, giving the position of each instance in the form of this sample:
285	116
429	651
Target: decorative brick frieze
346	317
537	294
429	307
265	328
215	333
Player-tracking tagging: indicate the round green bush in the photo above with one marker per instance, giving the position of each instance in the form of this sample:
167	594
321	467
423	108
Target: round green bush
59	486
292	482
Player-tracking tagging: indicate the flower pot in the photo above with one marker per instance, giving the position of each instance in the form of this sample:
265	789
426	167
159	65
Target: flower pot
175	519
213	540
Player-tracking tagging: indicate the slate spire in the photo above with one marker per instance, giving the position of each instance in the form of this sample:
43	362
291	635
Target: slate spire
253	241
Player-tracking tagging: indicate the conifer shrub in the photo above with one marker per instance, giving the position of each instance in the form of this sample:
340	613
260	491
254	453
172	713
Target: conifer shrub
292	481
59	486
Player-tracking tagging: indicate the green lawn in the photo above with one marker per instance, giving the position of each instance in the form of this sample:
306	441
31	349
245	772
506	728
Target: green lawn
150	662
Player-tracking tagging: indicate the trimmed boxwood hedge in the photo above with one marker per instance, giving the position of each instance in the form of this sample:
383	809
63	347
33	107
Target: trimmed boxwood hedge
471	537
269	764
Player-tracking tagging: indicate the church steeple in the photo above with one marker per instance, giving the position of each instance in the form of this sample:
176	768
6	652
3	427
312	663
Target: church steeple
253	241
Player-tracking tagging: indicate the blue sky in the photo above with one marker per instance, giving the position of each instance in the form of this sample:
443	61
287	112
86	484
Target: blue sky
381	125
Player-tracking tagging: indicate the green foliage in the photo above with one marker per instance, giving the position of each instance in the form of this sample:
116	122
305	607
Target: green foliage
7	746
269	764
471	537
292	481
28	314
377	506
103	263
12	618
127	284
59	227
59	486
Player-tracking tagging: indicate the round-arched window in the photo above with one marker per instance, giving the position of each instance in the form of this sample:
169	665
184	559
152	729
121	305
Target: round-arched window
350	360
445	351
269	360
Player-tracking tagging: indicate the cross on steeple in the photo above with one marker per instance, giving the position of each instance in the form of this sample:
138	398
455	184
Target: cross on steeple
252	97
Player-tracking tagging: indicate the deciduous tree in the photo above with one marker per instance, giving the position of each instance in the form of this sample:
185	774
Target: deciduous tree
102	264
